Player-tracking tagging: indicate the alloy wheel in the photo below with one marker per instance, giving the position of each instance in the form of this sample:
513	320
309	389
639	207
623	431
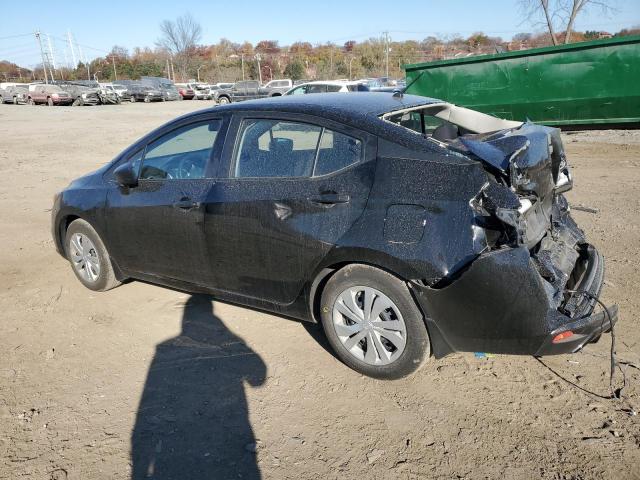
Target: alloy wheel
369	325
84	257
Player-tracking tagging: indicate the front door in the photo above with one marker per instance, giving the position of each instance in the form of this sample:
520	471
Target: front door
293	189
157	227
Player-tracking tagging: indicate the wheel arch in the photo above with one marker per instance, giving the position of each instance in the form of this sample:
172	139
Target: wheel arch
63	224
439	346
329	268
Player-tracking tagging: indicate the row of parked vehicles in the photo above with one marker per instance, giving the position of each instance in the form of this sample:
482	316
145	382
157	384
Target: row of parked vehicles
157	89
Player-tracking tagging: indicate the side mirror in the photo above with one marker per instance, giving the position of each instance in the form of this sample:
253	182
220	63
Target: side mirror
125	175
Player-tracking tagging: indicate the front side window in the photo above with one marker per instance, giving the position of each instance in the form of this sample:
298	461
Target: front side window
278	148
299	90
180	154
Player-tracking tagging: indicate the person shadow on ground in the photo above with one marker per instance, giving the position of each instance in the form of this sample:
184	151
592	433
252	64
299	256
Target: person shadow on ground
193	420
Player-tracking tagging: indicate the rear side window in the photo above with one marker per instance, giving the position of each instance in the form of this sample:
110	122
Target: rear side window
336	152
273	148
276	148
180	154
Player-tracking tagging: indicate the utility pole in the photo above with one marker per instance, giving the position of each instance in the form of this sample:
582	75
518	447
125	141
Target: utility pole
173	72
84	60
168	70
386	51
242	60
53	58
259	70
115	73
44	63
73	53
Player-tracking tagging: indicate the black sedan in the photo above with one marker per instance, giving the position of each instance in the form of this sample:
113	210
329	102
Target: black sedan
407	226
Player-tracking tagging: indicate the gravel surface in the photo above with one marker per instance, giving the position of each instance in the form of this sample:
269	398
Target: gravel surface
151	382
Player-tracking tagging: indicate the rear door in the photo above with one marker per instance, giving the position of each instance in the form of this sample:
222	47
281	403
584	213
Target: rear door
157	227
294	186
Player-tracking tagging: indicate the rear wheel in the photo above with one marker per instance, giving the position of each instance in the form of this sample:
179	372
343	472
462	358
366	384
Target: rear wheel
373	322
132	99
30	101
147	99
15	100
89	257
223	100
50	102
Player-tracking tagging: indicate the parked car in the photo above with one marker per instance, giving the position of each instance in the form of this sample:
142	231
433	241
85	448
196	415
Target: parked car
328	86
14	93
185	91
81	94
275	88
407	226
202	91
144	93
51	95
244	90
164	85
119	90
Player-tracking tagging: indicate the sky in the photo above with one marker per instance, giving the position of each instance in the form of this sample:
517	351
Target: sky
136	23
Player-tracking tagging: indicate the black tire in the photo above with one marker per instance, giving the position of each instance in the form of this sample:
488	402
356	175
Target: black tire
30	101
132	99
15	100
223	101
50	102
147	99
106	279
417	346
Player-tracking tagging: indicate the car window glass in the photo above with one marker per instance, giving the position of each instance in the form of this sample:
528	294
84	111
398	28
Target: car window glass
275	148
298	91
334	88
336	152
316	88
182	153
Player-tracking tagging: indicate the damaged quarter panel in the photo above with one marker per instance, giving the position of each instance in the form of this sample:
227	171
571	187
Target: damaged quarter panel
418	221
523	288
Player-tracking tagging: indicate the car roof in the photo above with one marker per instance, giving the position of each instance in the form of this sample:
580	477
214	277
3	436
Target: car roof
357	109
331	82
351	104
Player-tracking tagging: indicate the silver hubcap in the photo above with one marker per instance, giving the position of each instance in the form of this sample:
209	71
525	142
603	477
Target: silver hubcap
84	257
369	325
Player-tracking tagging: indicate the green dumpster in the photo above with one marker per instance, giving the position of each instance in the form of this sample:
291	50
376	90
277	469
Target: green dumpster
587	83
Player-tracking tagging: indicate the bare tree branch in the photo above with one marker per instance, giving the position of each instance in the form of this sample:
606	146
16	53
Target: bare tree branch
561	12
180	38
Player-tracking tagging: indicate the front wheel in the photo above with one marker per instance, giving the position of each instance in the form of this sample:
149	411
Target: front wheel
89	257
50	102
223	100
373	323
132	99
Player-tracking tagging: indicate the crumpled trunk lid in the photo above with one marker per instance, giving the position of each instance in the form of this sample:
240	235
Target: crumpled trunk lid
530	167
523	200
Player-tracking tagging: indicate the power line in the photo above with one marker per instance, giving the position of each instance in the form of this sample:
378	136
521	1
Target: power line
17	36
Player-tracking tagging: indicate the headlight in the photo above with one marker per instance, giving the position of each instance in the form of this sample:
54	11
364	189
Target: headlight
84	95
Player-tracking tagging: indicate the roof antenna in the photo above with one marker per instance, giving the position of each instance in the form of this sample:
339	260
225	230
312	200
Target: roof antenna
400	93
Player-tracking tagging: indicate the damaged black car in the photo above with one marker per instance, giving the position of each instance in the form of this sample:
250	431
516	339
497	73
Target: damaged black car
407	226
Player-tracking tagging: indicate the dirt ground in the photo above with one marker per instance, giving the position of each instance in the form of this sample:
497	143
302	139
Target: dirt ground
143	380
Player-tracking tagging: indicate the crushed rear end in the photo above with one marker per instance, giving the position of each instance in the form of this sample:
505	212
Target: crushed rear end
533	285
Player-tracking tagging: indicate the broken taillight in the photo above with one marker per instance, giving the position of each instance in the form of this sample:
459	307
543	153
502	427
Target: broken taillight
562	336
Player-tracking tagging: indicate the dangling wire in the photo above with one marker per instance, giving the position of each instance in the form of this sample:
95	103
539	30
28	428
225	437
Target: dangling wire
615	393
